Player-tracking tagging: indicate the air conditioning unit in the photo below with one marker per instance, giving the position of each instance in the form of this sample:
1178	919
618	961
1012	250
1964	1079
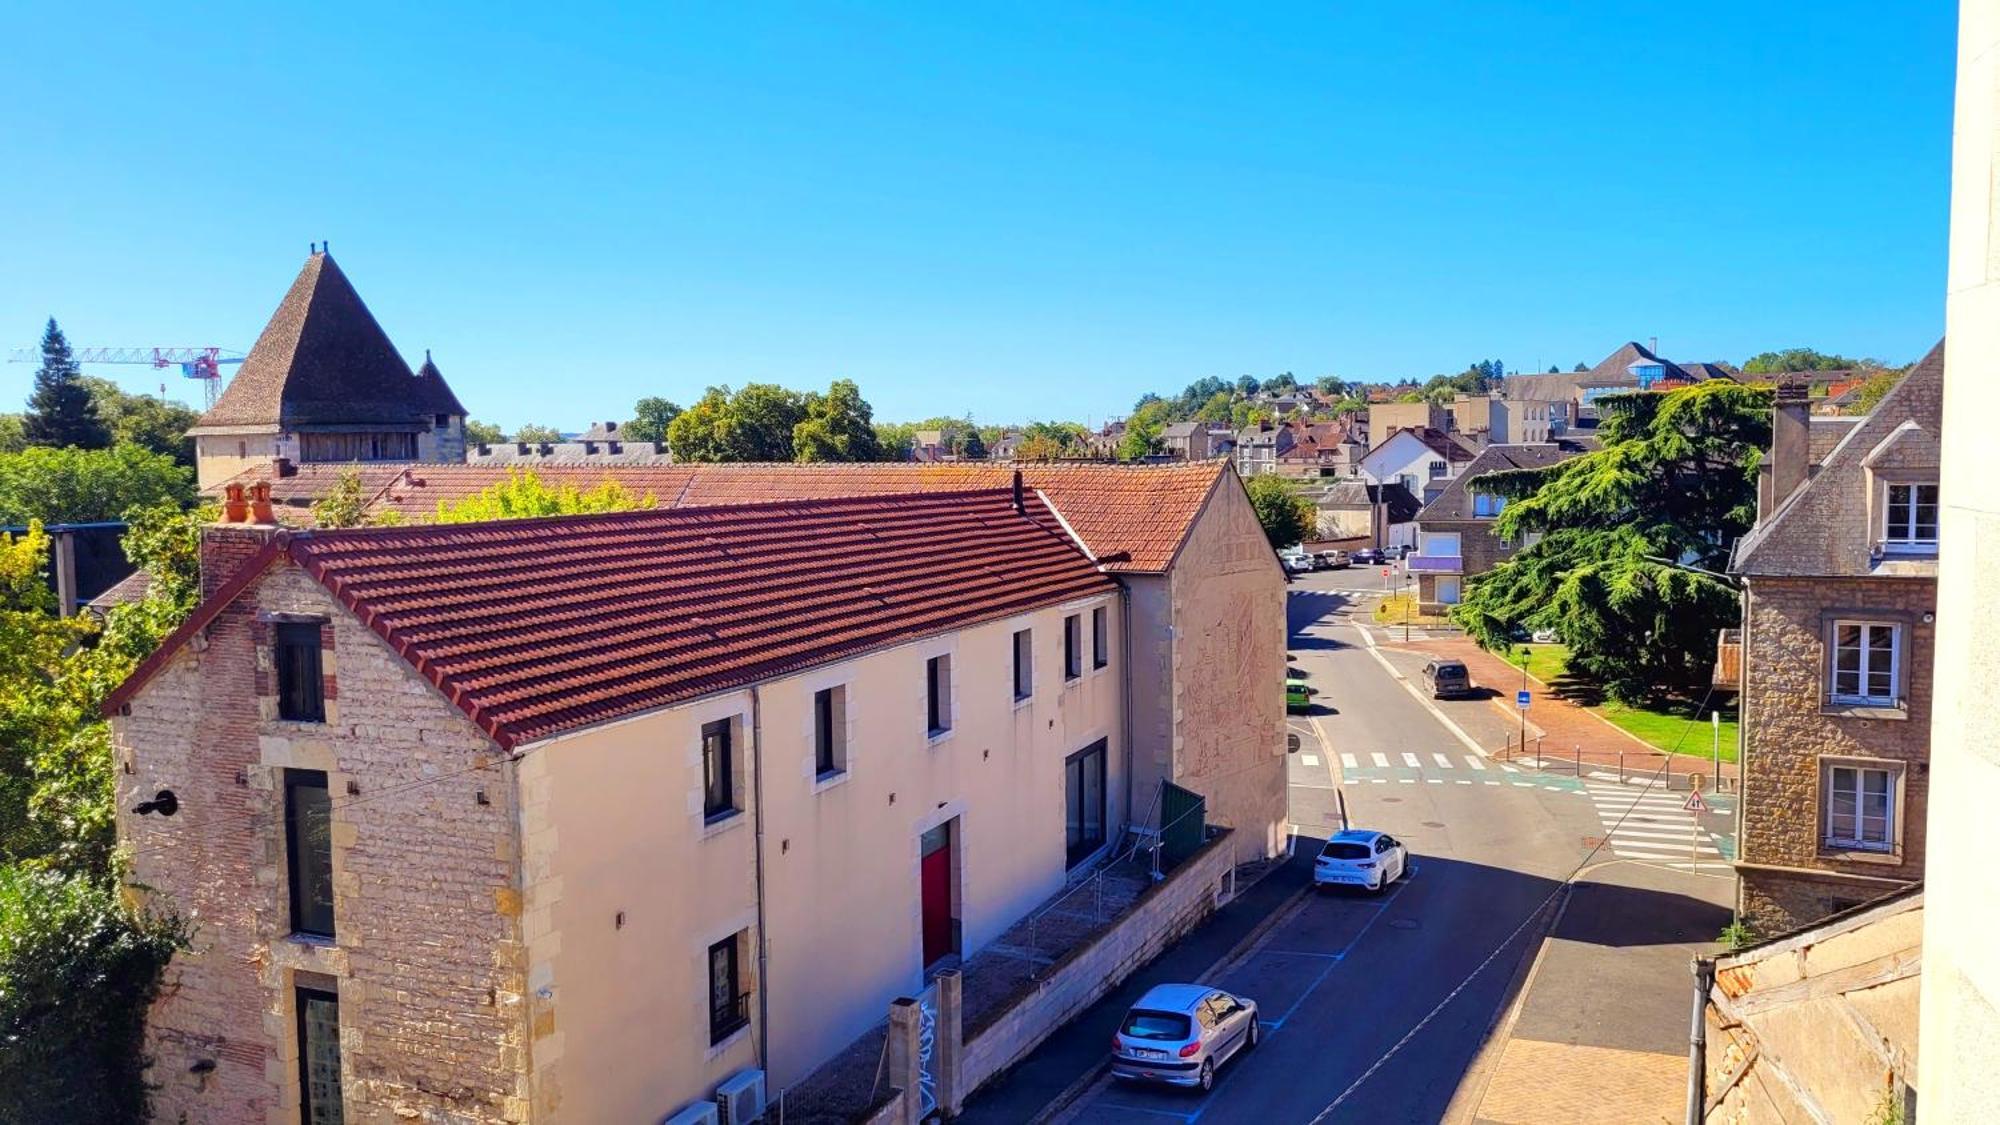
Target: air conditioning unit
741	1097
700	1113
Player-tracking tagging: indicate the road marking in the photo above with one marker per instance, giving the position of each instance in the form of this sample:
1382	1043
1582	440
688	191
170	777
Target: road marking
1348	761
1381	760
1505	768
1524	785
1492	783
1443	762
1475	763
1411	761
1458	732
1309	759
1435	780
1406	781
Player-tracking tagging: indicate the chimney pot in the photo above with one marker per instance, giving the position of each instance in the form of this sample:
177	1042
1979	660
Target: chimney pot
234	510
260	503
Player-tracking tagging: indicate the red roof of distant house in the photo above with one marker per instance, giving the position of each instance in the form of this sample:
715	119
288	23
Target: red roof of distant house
1133	518
537	627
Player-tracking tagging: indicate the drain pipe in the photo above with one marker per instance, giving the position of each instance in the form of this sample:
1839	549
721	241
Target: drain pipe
1125	683
763	936
1704	979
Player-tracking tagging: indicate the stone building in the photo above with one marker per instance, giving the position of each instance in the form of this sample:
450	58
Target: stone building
1839	611
461	811
1455	537
324	384
1182	538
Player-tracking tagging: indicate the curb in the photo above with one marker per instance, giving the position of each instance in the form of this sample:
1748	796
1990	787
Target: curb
1464	1107
1088	1078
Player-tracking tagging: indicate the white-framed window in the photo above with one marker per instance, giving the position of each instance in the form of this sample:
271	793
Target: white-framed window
937	695
1486	504
1910	517
1024	664
1860	806
1866	655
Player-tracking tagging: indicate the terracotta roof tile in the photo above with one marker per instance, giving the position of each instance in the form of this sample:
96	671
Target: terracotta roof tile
1133	518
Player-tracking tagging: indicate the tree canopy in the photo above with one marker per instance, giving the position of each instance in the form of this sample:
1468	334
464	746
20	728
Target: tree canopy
72	485
1800	359
1285	513
537	433
524	495
60	409
650	419
838	426
483	433
1627	534
143	420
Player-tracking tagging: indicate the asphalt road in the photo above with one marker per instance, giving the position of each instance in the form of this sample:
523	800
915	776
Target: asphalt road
1375	1007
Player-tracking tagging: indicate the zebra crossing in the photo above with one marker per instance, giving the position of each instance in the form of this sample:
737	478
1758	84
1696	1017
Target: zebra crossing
1651	824
1407	768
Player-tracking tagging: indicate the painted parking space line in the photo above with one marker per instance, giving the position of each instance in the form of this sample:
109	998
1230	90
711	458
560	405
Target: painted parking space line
1410	760
1475	763
1443	762
1381	760
1347	761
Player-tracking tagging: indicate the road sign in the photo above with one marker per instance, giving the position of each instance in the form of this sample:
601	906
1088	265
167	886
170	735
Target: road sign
1385	572
1521	700
1694	803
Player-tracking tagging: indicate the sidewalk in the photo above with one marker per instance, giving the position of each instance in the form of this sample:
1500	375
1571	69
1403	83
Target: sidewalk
1570	731
1068	1060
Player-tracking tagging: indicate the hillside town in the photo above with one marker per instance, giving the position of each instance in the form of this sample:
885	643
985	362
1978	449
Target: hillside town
1600	741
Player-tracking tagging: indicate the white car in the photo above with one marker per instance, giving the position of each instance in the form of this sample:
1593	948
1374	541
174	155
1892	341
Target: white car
1296	562
1360	858
1179	1034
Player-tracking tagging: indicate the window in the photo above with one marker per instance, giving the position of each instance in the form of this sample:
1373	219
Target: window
1073	647
718	771
319	1056
1484	504
829	731
301	687
1024	664
309	851
1100	637
1083	788
937	693
1864	662
1912	522
1860	807
727	1013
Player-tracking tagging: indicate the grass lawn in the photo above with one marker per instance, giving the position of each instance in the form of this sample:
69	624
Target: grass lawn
1390	611
1663	726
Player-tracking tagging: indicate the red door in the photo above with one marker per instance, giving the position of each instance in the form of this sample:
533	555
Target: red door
936	882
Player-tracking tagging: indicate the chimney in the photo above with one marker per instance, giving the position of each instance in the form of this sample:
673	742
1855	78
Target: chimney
260	503
284	467
1654	347
1020	501
1791	442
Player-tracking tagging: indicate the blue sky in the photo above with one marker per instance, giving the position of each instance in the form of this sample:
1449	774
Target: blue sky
1021	212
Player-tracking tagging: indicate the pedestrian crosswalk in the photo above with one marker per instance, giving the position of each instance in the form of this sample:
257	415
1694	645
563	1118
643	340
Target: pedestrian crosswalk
1650	824
1407	768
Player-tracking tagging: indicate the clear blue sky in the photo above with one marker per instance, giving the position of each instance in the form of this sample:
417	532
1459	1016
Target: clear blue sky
1023	213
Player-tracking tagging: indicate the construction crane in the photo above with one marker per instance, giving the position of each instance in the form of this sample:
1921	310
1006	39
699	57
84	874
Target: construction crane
205	364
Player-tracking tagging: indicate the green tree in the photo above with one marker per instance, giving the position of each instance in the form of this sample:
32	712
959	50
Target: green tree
753	424
1287	516
72	485
650	419
523	495
839	426
1800	359
60	411
1282	381
1869	394
1141	440
894	441
483	433
1581	366
1632	534
78	972
1330	386
971	447
143	420
346	505
533	433
1247	385
13	438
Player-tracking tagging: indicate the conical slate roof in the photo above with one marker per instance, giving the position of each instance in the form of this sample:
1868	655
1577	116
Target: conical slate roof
323	360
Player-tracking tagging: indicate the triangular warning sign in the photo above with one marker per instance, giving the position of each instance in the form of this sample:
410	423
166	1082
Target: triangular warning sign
1694	803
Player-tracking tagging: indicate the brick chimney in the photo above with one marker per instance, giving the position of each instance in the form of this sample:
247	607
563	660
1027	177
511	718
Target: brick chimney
244	527
1791	443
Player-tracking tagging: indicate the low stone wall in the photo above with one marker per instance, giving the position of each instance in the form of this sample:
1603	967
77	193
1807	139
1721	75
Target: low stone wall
1178	904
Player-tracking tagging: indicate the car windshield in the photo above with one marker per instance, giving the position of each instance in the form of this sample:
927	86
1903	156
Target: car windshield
1142	1024
1337	850
1451	671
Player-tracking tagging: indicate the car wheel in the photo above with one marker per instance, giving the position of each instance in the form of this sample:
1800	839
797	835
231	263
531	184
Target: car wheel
1256	1033
1207	1075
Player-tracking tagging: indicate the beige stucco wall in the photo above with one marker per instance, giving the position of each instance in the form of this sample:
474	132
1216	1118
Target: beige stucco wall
612	822
217	457
1961	980
426	953
1228	651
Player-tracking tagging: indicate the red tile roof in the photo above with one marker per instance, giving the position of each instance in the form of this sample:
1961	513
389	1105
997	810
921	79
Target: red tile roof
536	627
1133	518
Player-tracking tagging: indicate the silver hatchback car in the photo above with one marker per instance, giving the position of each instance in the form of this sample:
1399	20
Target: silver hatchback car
1179	1034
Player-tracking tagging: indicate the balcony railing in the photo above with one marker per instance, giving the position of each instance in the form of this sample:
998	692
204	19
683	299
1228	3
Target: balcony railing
1436	564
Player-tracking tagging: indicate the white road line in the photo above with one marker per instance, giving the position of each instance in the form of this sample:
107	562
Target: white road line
1475	763
1410	760
1381	760
1492	783
1464	781
1309	759
1505	768
1347	760
1435	780
1443	762
1406	781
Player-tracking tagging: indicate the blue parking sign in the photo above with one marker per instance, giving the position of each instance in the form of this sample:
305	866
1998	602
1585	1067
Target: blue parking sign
1521	700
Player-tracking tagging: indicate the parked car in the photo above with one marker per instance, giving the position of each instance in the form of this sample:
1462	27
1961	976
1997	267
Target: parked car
1332	560
1367	556
1298	696
1361	858
1547	637
1447	679
1399	551
1295	562
1179	1034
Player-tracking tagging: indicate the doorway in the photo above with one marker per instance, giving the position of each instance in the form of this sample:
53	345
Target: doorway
940	917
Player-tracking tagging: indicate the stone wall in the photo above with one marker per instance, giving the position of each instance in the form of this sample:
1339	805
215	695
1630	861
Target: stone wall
1790	877
426	955
1166	912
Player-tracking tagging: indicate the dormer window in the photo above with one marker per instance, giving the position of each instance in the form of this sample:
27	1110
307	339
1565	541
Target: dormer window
1486	505
1911	518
